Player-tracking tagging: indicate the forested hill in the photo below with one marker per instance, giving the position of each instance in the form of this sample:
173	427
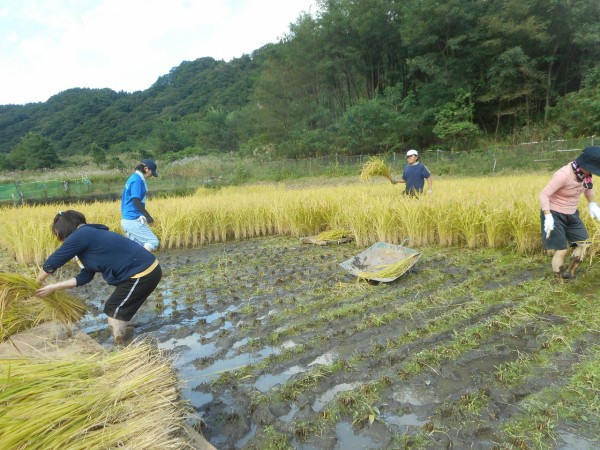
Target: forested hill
76	118
357	76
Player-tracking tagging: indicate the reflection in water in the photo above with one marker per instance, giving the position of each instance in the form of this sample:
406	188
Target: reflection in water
266	382
348	440
287	418
573	441
325	398
244	441
404	420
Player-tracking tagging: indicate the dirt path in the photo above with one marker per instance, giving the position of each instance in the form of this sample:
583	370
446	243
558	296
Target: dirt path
280	348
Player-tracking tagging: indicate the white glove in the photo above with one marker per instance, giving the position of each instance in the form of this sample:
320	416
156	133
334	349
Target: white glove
548	224
595	210
142	219
429	191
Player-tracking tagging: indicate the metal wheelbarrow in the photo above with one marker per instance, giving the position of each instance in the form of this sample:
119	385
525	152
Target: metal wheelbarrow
382	262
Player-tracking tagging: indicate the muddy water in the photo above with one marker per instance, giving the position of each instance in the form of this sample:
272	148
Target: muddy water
278	347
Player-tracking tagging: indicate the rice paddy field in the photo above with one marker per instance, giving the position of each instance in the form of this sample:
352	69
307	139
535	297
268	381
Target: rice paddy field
277	347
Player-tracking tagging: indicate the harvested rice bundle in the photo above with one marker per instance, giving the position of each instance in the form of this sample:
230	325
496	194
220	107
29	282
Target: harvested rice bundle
21	310
333	235
122	399
391	271
373	167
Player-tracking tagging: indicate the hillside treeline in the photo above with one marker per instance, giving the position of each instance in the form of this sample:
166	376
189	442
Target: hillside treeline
356	76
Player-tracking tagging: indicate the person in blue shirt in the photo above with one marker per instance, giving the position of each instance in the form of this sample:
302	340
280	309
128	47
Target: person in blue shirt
133	271
414	175
135	219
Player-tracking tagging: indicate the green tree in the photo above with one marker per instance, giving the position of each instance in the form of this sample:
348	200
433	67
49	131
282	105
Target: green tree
98	155
34	151
454	120
578	113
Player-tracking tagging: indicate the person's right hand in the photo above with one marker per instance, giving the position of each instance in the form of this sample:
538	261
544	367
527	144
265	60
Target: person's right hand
45	291
548	224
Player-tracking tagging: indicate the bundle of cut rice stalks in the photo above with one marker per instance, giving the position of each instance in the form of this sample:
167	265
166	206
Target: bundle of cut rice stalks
375	167
391	271
20	309
121	399
334	235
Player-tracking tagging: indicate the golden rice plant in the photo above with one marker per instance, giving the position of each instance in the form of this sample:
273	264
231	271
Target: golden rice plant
393	270
122	399
494	211
375	167
21	310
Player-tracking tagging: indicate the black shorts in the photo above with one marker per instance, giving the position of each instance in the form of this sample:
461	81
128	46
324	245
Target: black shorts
568	230
130	295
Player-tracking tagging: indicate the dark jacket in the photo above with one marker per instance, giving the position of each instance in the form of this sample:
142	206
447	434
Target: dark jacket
99	250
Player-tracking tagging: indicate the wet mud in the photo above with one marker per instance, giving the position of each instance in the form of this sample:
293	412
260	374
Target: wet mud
278	347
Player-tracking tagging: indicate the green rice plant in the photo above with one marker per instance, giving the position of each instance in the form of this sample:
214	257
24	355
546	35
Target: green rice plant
122	399
375	167
21	310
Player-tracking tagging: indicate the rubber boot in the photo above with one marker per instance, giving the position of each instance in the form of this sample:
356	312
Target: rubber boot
558	277
119	330
569	273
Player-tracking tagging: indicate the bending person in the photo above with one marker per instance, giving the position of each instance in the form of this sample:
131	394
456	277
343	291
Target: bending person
124	264
135	219
562	226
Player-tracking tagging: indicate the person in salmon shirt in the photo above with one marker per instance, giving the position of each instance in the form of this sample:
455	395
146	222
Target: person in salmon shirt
562	227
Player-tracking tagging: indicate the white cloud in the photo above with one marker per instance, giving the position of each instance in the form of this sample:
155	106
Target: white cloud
48	46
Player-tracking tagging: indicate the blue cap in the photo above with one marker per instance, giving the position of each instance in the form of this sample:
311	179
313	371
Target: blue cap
150	164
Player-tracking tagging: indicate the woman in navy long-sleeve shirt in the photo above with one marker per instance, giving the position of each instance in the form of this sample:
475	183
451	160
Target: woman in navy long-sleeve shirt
129	267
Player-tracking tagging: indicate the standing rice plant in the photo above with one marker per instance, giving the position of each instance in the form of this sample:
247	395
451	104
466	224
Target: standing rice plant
496	228
412	220
524	225
21	310
28	238
360	221
469	223
468	211
123	399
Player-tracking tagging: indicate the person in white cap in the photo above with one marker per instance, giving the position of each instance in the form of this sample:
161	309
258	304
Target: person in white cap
414	175
135	219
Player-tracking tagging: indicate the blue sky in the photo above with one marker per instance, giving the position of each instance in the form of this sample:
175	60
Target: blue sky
48	46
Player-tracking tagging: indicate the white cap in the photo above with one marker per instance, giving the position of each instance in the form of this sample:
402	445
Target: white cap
412	153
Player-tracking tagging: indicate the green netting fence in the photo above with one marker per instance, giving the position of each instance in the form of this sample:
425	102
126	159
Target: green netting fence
18	192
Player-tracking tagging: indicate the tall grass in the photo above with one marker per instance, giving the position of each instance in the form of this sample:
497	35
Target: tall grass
494	211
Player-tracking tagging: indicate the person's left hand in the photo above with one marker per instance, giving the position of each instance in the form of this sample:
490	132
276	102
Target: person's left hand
594	210
429	191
